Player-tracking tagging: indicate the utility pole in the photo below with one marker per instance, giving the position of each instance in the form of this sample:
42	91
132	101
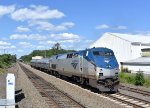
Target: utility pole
45	53
4	51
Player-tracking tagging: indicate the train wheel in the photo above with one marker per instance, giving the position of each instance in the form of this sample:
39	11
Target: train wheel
86	81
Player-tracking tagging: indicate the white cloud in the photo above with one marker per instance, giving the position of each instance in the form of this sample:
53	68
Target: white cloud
51	42
4	43
65	36
89	41
37	37
64	26
40	47
36	13
44	25
6	9
105	26
69	41
27	37
146	33
121	27
12	46
18	36
22	29
7	47
68	24
25	44
47	42
20	50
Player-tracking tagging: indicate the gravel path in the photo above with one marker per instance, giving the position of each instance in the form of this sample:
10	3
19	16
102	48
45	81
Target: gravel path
26	95
85	97
3	76
3	86
32	97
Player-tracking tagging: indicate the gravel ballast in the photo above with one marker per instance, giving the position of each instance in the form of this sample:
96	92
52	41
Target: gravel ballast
3	86
134	94
136	87
32	97
85	97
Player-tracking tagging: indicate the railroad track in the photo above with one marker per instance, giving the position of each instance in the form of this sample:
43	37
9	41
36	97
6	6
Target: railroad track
58	99
128	101
139	91
54	97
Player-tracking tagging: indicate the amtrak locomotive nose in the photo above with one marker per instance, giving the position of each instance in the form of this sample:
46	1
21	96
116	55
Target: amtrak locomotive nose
107	69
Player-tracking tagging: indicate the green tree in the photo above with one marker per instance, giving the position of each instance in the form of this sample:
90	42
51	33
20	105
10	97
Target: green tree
6	60
139	79
56	49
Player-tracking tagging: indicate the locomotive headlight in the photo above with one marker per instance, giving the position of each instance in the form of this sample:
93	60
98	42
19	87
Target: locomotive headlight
101	70
117	70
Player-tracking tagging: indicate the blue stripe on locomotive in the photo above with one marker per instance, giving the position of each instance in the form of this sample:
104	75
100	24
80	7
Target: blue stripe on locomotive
99	61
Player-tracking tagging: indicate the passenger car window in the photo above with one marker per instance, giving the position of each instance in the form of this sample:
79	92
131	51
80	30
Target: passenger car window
75	55
69	55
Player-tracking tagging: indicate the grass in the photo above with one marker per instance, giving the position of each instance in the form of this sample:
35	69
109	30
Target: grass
1	71
130	78
147	82
126	77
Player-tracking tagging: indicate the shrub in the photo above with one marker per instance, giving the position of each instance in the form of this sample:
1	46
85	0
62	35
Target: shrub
130	79
139	79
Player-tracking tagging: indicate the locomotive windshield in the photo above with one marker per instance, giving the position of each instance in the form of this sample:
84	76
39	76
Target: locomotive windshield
99	53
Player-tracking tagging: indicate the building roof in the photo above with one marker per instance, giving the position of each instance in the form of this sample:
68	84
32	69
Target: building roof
132	38
138	61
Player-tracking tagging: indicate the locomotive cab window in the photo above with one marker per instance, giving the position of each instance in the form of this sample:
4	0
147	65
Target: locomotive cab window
69	55
109	54
98	53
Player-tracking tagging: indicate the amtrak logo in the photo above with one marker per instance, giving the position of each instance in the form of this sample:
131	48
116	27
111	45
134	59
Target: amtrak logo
74	64
106	60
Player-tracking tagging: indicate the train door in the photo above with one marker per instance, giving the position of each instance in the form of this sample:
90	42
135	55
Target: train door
81	63
50	62
85	62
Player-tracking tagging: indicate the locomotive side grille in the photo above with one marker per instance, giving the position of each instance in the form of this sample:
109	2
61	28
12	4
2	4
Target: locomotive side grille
100	74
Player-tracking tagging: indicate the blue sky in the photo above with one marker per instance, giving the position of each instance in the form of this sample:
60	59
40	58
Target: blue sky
27	25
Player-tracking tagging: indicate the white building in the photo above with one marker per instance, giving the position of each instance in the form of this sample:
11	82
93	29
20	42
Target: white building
37	57
126	47
139	64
